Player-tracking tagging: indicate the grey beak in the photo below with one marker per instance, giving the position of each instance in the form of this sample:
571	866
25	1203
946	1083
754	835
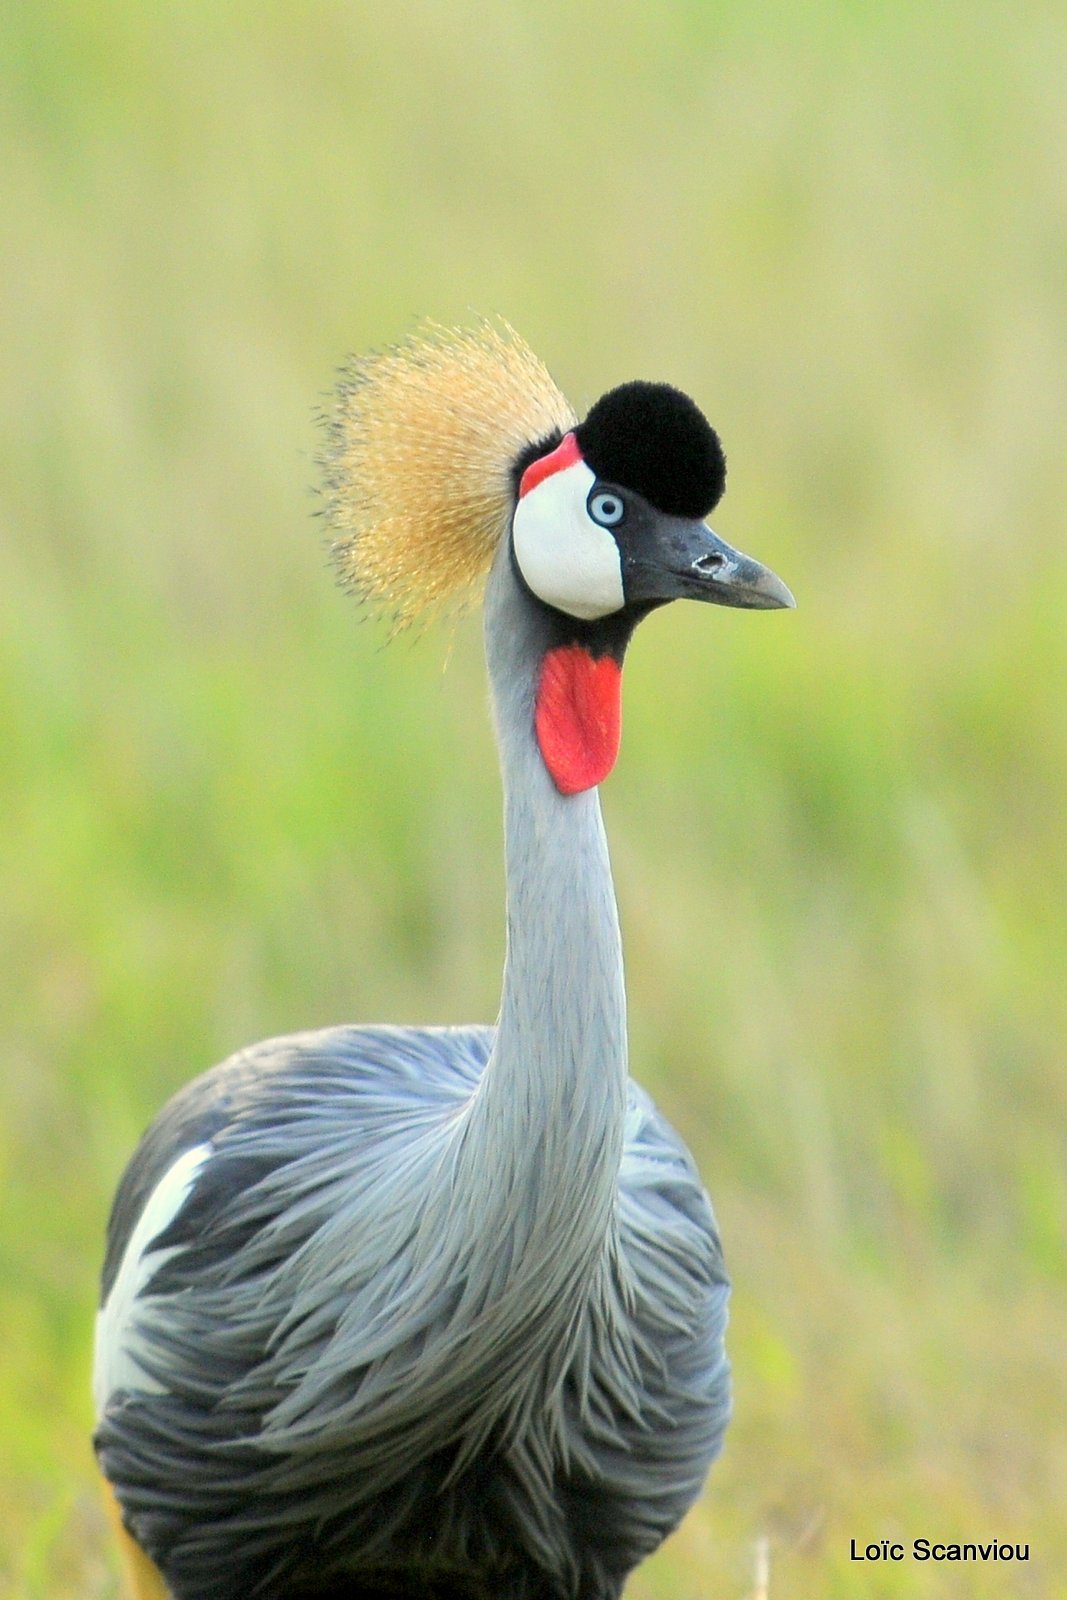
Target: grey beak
728	578
689	561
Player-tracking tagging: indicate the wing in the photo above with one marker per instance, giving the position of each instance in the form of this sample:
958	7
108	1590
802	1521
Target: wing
267	1207
236	1173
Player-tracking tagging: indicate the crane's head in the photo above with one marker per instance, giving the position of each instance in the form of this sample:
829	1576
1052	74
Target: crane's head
610	523
445	445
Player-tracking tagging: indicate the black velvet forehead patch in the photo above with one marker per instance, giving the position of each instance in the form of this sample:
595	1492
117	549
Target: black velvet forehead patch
653	439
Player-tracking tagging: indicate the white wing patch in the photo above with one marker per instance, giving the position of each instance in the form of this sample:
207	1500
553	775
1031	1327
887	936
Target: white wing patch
115	1363
568	560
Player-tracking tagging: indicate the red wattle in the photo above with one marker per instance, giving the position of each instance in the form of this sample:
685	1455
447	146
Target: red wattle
578	717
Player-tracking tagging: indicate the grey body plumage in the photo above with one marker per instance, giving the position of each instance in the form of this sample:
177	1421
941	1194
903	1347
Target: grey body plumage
305	1442
437	1312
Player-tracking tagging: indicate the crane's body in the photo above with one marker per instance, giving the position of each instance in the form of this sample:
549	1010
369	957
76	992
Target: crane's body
436	1311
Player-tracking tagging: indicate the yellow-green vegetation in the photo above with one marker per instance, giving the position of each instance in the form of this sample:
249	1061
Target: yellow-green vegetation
838	834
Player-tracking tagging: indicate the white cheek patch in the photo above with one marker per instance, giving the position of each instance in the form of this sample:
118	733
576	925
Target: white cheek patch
567	559
115	1363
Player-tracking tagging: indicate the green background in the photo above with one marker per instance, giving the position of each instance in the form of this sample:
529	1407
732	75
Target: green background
838	835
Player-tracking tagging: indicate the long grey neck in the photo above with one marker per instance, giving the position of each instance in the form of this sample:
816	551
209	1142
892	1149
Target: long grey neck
547	1122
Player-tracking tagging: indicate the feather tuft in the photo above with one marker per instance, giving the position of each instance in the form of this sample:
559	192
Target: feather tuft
422	443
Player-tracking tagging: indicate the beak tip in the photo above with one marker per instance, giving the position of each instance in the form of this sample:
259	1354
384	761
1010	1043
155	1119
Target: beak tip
775	595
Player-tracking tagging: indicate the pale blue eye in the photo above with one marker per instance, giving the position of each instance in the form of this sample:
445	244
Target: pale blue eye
606	507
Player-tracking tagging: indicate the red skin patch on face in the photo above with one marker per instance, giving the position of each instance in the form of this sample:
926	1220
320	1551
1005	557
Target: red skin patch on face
565	454
578	717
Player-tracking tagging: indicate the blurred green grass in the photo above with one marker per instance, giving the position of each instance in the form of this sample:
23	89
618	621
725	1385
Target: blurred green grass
838	836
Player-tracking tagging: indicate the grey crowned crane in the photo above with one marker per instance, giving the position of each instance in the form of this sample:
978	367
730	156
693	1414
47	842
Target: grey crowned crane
438	1313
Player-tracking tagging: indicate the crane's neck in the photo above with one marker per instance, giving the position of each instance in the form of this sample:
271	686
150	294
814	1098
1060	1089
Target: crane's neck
550	1109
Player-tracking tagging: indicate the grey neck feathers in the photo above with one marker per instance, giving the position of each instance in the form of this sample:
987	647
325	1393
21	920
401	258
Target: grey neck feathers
546	1127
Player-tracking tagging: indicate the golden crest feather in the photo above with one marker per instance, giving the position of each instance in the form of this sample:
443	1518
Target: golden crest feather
422	440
